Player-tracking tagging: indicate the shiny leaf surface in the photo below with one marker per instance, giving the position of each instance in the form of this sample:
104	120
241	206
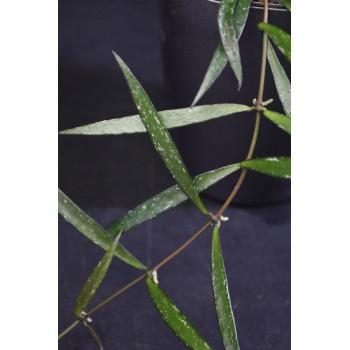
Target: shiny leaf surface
274	166
92	230
95	279
176	321
160	137
280	38
167	199
280	120
171	119
281	80
229	37
222	296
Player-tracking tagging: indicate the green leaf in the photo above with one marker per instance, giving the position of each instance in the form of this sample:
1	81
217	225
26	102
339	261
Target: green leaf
240	16
279	37
222	296
280	120
229	37
161	137
287	4
167	199
281	80
93	282
92	230
171	119
274	166
220	59
176	321
216	66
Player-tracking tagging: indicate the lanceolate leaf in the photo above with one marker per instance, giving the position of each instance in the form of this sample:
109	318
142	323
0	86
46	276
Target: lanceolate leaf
274	166
222	296
161	137
167	199
90	229
280	120
229	37
216	66
279	37
240	16
220	59
287	4
93	282
171	119
281	80
176	321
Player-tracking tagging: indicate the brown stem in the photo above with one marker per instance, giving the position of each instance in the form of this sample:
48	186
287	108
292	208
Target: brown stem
94	334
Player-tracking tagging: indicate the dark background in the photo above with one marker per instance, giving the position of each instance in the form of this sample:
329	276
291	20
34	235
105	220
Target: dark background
108	175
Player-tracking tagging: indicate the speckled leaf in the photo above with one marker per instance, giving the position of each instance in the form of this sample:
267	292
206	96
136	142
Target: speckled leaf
280	120
219	60
95	279
176	321
280	38
229	37
274	166
171	119
287	4
161	137
167	199
92	230
222	296
281	80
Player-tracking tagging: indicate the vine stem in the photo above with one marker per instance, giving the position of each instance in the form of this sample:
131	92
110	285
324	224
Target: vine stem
223	207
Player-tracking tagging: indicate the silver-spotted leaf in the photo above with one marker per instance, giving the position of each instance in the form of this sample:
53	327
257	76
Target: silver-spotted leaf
222	296
283	121
282	82
229	37
287	4
176	321
219	60
167	199
171	119
92	230
95	279
274	166
160	137
280	38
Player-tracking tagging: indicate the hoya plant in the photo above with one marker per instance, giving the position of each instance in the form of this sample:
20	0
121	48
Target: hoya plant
231	18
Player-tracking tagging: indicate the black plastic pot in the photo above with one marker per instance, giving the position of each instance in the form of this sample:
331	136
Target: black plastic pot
189	38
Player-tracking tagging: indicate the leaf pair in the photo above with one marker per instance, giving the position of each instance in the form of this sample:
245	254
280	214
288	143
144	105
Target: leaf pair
232	17
92	230
181	326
